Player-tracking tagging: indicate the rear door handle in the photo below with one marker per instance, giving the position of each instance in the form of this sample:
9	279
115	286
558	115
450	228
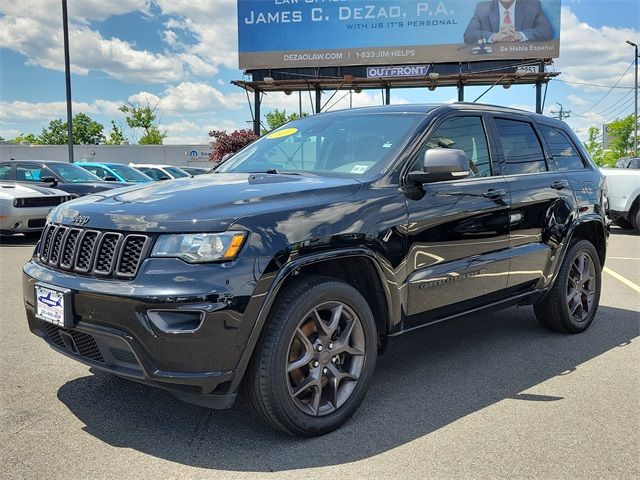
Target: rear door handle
560	185
494	194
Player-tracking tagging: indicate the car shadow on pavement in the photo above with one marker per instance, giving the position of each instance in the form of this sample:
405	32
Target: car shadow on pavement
426	380
18	240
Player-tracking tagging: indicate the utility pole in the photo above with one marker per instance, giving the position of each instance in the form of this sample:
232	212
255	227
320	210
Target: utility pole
562	113
635	114
67	71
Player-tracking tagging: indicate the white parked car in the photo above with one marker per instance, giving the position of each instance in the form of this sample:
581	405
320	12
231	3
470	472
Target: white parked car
160	172
24	209
624	196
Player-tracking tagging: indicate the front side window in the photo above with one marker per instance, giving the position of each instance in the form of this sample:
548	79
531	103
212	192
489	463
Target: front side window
564	154
29	173
520	147
99	171
466	134
5	172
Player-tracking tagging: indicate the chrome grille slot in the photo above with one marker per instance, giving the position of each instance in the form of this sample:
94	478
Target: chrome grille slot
84	260
56	245
45	243
107	251
133	249
69	248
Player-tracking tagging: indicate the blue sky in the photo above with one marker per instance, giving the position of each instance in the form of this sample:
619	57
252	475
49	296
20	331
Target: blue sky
182	55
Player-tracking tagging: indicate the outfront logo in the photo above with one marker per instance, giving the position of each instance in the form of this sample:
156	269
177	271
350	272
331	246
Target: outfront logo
81	219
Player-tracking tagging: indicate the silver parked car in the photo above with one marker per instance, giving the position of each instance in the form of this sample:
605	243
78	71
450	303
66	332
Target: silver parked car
24	209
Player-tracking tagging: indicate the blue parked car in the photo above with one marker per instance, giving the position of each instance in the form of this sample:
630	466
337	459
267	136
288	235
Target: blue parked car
115	172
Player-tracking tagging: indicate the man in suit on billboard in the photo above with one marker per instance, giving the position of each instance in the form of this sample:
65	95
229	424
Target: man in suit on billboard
508	21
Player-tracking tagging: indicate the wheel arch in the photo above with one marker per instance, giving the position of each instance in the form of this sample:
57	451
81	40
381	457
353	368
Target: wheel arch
334	264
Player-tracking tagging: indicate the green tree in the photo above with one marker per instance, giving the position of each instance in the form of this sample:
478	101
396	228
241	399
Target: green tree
594	145
144	118
28	138
116	136
277	118
621	136
85	131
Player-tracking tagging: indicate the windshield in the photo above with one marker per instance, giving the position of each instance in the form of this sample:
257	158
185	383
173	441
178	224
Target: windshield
176	172
349	144
73	174
129	174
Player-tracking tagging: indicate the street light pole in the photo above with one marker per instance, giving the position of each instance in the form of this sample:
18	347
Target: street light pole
67	70
635	116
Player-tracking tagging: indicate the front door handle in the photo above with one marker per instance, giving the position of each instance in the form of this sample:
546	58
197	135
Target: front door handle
560	185
494	194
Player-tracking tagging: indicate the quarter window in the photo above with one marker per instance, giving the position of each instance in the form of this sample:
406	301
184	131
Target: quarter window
564	154
5	172
466	134
520	147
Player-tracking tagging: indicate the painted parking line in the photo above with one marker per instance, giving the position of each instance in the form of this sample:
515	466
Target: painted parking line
622	258
622	279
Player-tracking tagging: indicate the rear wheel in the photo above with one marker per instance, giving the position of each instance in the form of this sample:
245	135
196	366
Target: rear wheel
635	219
573	301
315	359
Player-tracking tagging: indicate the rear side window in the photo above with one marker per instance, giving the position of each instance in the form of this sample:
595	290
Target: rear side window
520	147
564	153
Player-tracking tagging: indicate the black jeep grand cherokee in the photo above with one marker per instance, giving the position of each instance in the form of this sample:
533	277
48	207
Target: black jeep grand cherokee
289	267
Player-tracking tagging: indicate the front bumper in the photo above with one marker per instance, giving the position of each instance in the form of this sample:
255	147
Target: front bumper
24	220
116	327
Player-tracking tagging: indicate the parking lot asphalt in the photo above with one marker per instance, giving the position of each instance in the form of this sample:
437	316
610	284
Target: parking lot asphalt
492	396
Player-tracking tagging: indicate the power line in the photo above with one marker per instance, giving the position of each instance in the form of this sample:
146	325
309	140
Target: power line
608	91
613	106
595	85
614	116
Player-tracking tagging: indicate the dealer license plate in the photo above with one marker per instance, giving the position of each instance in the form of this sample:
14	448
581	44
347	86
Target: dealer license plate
50	305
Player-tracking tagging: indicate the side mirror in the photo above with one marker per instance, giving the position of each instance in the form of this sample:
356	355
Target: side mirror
110	179
442	164
51	180
161	179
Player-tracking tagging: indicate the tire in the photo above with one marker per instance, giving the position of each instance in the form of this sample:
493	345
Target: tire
623	223
572	303
283	362
635	219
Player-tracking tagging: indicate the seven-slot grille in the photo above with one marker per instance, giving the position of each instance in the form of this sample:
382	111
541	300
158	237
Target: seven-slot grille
92	252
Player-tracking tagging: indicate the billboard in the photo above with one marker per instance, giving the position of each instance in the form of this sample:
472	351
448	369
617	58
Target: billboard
324	33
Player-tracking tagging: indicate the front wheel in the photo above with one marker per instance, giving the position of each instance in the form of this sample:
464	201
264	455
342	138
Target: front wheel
315	358
573	301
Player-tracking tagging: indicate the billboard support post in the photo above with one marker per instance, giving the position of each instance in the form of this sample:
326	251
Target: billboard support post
318	100
539	97
256	118
387	95
460	92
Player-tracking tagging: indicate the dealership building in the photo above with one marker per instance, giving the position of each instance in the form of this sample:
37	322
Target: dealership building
177	155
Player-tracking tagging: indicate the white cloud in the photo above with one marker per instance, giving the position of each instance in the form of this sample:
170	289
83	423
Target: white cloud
42	45
594	55
576	100
25	111
190	97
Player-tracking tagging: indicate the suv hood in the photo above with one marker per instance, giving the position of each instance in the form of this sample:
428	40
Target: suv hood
207	203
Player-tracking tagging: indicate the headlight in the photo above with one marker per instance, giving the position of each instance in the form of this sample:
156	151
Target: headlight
200	247
18	202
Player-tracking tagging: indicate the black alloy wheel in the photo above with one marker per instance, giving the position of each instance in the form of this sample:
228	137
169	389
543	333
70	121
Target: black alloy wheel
571	304
315	357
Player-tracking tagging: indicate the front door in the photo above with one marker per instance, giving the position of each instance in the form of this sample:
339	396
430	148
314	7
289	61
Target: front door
458	231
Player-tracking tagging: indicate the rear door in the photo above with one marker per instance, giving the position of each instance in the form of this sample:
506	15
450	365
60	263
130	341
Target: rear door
541	201
458	231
